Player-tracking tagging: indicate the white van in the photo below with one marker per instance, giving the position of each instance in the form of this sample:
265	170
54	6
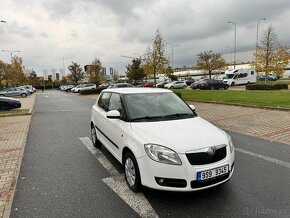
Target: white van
240	76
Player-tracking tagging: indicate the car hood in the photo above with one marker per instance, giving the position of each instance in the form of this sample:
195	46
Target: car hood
180	135
7	99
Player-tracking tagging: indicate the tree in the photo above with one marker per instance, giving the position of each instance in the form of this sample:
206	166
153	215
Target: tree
32	78
134	71
115	77
95	72
76	72
209	61
155	57
271	56
3	72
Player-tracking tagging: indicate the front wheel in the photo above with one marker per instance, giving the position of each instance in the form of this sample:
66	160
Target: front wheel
95	140
132	174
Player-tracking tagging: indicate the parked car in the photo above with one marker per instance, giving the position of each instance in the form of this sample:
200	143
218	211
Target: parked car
195	85
68	88
269	78
161	84
120	85
149	84
9	103
160	140
212	84
189	81
30	88
176	85
17	91
84	87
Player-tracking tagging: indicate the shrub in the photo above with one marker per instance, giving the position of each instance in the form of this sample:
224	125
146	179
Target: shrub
266	86
92	91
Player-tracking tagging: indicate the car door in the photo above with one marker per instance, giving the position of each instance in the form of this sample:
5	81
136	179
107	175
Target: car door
11	92
114	128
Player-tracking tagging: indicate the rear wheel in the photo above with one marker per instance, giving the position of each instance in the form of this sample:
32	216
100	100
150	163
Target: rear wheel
23	95
95	140
171	87
2	95
132	174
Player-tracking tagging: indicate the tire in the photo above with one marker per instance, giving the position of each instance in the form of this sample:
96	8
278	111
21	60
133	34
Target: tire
226	87
232	84
4	106
2	95
23	95
131	171
184	87
96	142
212	88
171	87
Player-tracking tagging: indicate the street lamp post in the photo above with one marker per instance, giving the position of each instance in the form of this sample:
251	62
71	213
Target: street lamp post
172	53
11	52
257	38
235	42
2	21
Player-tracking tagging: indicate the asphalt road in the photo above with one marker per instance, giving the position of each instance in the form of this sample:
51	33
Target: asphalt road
60	177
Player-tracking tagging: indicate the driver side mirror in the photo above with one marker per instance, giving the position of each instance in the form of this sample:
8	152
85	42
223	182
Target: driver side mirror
113	114
192	107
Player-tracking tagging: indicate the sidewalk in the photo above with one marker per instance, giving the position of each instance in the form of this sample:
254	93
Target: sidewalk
13	134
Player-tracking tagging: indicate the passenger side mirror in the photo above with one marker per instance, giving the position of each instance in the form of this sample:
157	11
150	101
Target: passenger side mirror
114	114
192	107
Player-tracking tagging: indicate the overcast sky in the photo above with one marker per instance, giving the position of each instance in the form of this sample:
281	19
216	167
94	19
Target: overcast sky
50	31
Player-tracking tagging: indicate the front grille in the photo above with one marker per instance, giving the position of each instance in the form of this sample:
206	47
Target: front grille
202	158
200	184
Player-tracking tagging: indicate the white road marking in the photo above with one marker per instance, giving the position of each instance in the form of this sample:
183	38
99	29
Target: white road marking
266	158
137	201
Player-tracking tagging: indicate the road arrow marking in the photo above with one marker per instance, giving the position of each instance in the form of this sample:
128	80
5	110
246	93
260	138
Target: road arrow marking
137	201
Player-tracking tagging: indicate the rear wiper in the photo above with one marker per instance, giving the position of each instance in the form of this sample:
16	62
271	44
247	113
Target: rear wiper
147	118
179	115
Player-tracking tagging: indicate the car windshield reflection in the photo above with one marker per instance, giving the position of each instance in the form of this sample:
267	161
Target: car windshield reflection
156	106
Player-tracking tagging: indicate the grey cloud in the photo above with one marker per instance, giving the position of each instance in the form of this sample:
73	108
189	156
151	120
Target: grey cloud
58	9
24	31
43	35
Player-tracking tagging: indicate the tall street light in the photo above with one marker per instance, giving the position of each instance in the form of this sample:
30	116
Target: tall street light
2	21
172	51
257	38
235	43
11	52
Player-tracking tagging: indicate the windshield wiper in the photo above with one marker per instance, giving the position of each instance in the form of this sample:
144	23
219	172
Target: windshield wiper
147	118
179	115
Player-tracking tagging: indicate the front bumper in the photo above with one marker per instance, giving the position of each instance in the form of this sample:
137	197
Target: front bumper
183	177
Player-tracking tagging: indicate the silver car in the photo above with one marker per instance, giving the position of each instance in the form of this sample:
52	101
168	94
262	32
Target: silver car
14	92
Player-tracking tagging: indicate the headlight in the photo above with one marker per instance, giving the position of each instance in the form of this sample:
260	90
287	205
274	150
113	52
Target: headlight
230	143
162	154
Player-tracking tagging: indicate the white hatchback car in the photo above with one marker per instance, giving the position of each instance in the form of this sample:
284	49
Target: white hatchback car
175	85
160	140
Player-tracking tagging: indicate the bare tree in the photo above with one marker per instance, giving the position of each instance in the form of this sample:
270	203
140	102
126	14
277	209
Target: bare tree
209	61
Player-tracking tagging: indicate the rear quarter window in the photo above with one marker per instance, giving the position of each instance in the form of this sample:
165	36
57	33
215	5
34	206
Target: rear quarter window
103	101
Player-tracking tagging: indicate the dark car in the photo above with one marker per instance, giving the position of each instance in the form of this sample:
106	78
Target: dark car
209	84
9	103
269	78
189	81
120	85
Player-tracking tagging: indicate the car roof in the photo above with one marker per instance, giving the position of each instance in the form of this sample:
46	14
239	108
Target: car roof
137	90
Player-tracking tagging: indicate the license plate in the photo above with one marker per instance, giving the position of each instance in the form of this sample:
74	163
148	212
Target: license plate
209	174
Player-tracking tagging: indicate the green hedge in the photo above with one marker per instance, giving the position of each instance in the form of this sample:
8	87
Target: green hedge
178	94
266	86
92	91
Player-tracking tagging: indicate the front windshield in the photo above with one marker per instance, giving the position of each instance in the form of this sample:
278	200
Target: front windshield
230	76
156	106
